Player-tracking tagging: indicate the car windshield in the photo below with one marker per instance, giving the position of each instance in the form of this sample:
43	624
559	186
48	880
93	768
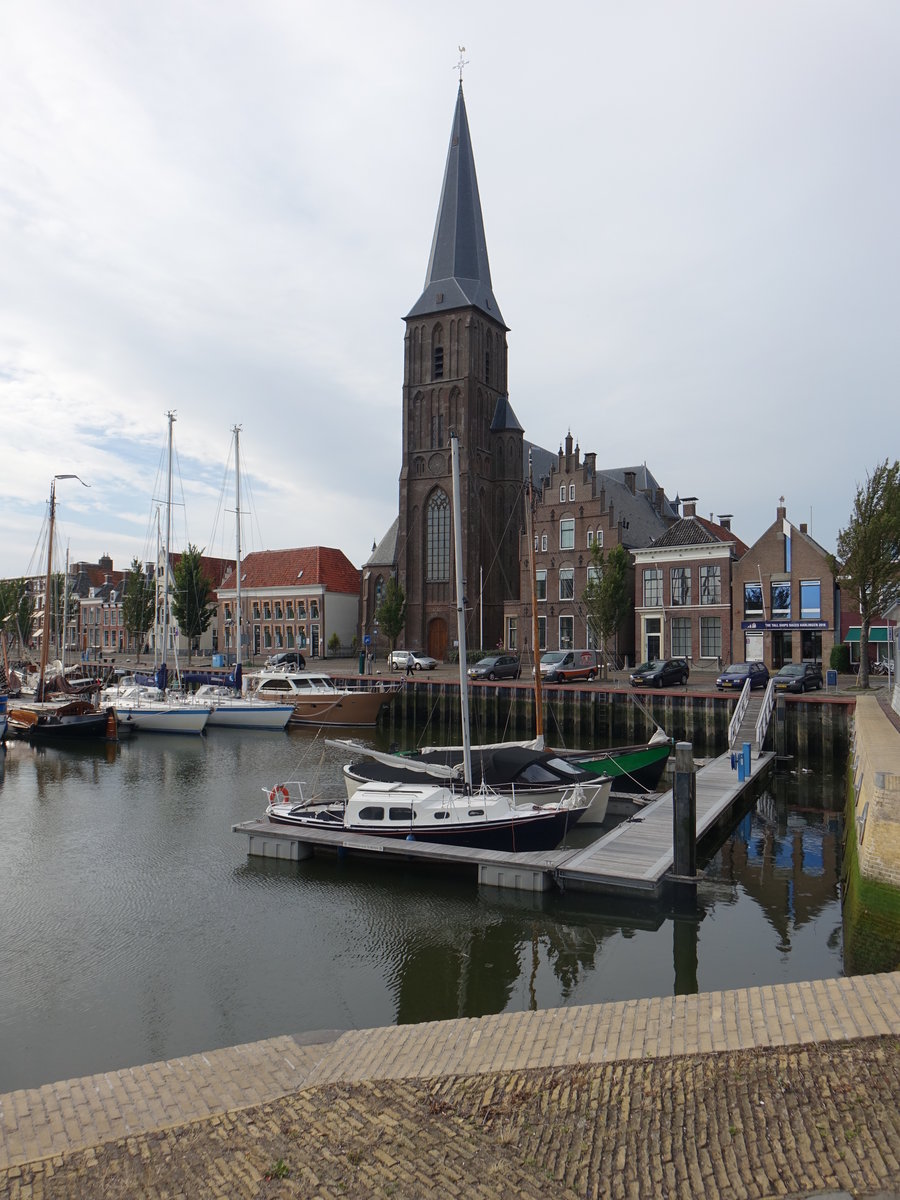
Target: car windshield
645	666
488	662
795	669
736	669
553	656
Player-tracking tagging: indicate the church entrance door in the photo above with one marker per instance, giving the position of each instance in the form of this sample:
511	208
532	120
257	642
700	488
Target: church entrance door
437	638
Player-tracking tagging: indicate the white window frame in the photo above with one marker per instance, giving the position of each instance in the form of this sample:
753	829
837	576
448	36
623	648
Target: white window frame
567	574
567	527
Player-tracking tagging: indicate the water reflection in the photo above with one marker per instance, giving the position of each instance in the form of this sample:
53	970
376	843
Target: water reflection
147	932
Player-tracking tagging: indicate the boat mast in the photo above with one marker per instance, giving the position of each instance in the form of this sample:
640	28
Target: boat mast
236	430
535	638
461	616
171	416
45	635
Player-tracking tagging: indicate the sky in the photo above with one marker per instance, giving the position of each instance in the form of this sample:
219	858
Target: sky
225	210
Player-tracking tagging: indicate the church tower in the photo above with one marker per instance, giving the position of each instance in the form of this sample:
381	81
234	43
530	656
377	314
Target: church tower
455	378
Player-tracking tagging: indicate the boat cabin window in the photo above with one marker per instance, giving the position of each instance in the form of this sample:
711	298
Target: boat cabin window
275	685
476	812
441	816
401	814
371	813
535	773
564	768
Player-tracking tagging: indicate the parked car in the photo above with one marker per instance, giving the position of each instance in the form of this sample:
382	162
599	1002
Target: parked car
736	675
398	660
661	673
496	666
799	677
562	666
287	658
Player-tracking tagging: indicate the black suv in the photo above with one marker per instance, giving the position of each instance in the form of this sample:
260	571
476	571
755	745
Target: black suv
661	673
799	677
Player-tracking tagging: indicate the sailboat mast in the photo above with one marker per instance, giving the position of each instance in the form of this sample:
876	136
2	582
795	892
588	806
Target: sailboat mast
45	634
171	416
535	628
237	555
461	615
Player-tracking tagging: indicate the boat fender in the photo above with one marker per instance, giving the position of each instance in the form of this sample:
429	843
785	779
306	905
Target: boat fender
279	794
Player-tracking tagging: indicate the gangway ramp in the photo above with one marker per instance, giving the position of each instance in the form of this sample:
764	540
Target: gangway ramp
636	857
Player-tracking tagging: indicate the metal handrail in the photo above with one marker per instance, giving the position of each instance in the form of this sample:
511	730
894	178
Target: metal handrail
765	714
738	716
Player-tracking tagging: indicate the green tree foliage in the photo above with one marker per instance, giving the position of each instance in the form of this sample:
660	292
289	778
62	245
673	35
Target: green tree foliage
16	611
606	600
138	604
391	614
193	604
868	551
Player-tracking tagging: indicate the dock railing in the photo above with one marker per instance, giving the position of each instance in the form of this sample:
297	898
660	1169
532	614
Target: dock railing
765	714
738	714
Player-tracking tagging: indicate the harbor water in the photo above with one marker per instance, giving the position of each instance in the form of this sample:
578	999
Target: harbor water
135	928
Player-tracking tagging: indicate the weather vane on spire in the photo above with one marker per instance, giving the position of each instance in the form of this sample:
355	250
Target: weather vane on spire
463	62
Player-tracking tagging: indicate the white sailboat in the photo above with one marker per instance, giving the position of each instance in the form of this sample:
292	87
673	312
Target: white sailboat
144	704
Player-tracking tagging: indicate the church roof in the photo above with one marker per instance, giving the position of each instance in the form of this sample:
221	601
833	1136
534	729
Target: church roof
504	418
385	553
458	275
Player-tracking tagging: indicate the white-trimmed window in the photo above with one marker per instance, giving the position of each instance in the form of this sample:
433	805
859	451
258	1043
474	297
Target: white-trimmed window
594	574
544	543
571	492
710	637
566	633
652	587
567	583
681	637
562	493
681	588
599	537
542	633
540	584
567	534
590	537
810	599
710	584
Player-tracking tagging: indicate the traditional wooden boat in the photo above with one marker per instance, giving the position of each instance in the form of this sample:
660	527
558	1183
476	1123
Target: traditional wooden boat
50	723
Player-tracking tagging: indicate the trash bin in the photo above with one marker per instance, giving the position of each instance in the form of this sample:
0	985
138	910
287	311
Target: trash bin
362	662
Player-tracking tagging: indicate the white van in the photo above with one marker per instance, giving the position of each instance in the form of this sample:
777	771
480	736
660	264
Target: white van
562	666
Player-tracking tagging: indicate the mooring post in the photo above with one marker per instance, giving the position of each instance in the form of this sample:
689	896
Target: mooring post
780	729
684	811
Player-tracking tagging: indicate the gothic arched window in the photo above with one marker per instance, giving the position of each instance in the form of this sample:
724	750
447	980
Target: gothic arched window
437	538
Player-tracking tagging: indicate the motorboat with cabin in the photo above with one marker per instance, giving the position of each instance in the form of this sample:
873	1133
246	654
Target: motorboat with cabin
318	699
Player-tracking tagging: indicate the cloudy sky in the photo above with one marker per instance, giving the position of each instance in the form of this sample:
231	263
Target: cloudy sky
225	209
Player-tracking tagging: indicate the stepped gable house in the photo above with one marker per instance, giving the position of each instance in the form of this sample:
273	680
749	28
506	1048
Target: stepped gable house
455	379
684	589
290	599
576	507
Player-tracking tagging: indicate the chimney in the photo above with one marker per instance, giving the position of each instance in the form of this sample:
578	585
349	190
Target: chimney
689	506
803	528
780	511
568	452
725	521
630	480
590	463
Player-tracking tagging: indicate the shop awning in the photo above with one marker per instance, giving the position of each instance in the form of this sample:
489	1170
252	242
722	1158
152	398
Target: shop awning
877	633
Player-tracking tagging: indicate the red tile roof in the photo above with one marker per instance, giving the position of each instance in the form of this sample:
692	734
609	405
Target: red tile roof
321	565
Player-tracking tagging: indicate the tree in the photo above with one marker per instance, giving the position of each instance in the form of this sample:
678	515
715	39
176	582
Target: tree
606	599
138	604
193	604
391	612
17	610
868	551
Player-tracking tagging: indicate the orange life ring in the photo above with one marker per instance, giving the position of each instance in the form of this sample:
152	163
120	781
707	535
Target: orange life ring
279	794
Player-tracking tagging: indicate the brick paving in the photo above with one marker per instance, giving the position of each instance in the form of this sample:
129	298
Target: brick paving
764	1092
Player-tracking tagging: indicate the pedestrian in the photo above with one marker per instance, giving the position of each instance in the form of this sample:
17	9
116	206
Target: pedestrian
409	664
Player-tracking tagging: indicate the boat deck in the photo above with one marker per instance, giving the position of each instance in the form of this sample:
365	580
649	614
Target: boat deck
634	859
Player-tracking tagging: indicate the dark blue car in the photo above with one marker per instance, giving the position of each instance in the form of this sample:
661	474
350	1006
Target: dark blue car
735	676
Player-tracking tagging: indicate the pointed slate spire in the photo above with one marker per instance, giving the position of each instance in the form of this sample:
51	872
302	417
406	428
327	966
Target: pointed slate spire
459	275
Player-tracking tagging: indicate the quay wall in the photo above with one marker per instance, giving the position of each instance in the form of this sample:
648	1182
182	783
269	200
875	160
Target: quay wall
876	793
594	716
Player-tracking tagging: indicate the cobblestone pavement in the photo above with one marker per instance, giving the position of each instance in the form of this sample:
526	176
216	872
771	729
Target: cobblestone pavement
759	1092
752	1123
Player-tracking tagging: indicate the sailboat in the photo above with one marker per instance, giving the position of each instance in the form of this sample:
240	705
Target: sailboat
53	717
143	703
440	808
223	694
